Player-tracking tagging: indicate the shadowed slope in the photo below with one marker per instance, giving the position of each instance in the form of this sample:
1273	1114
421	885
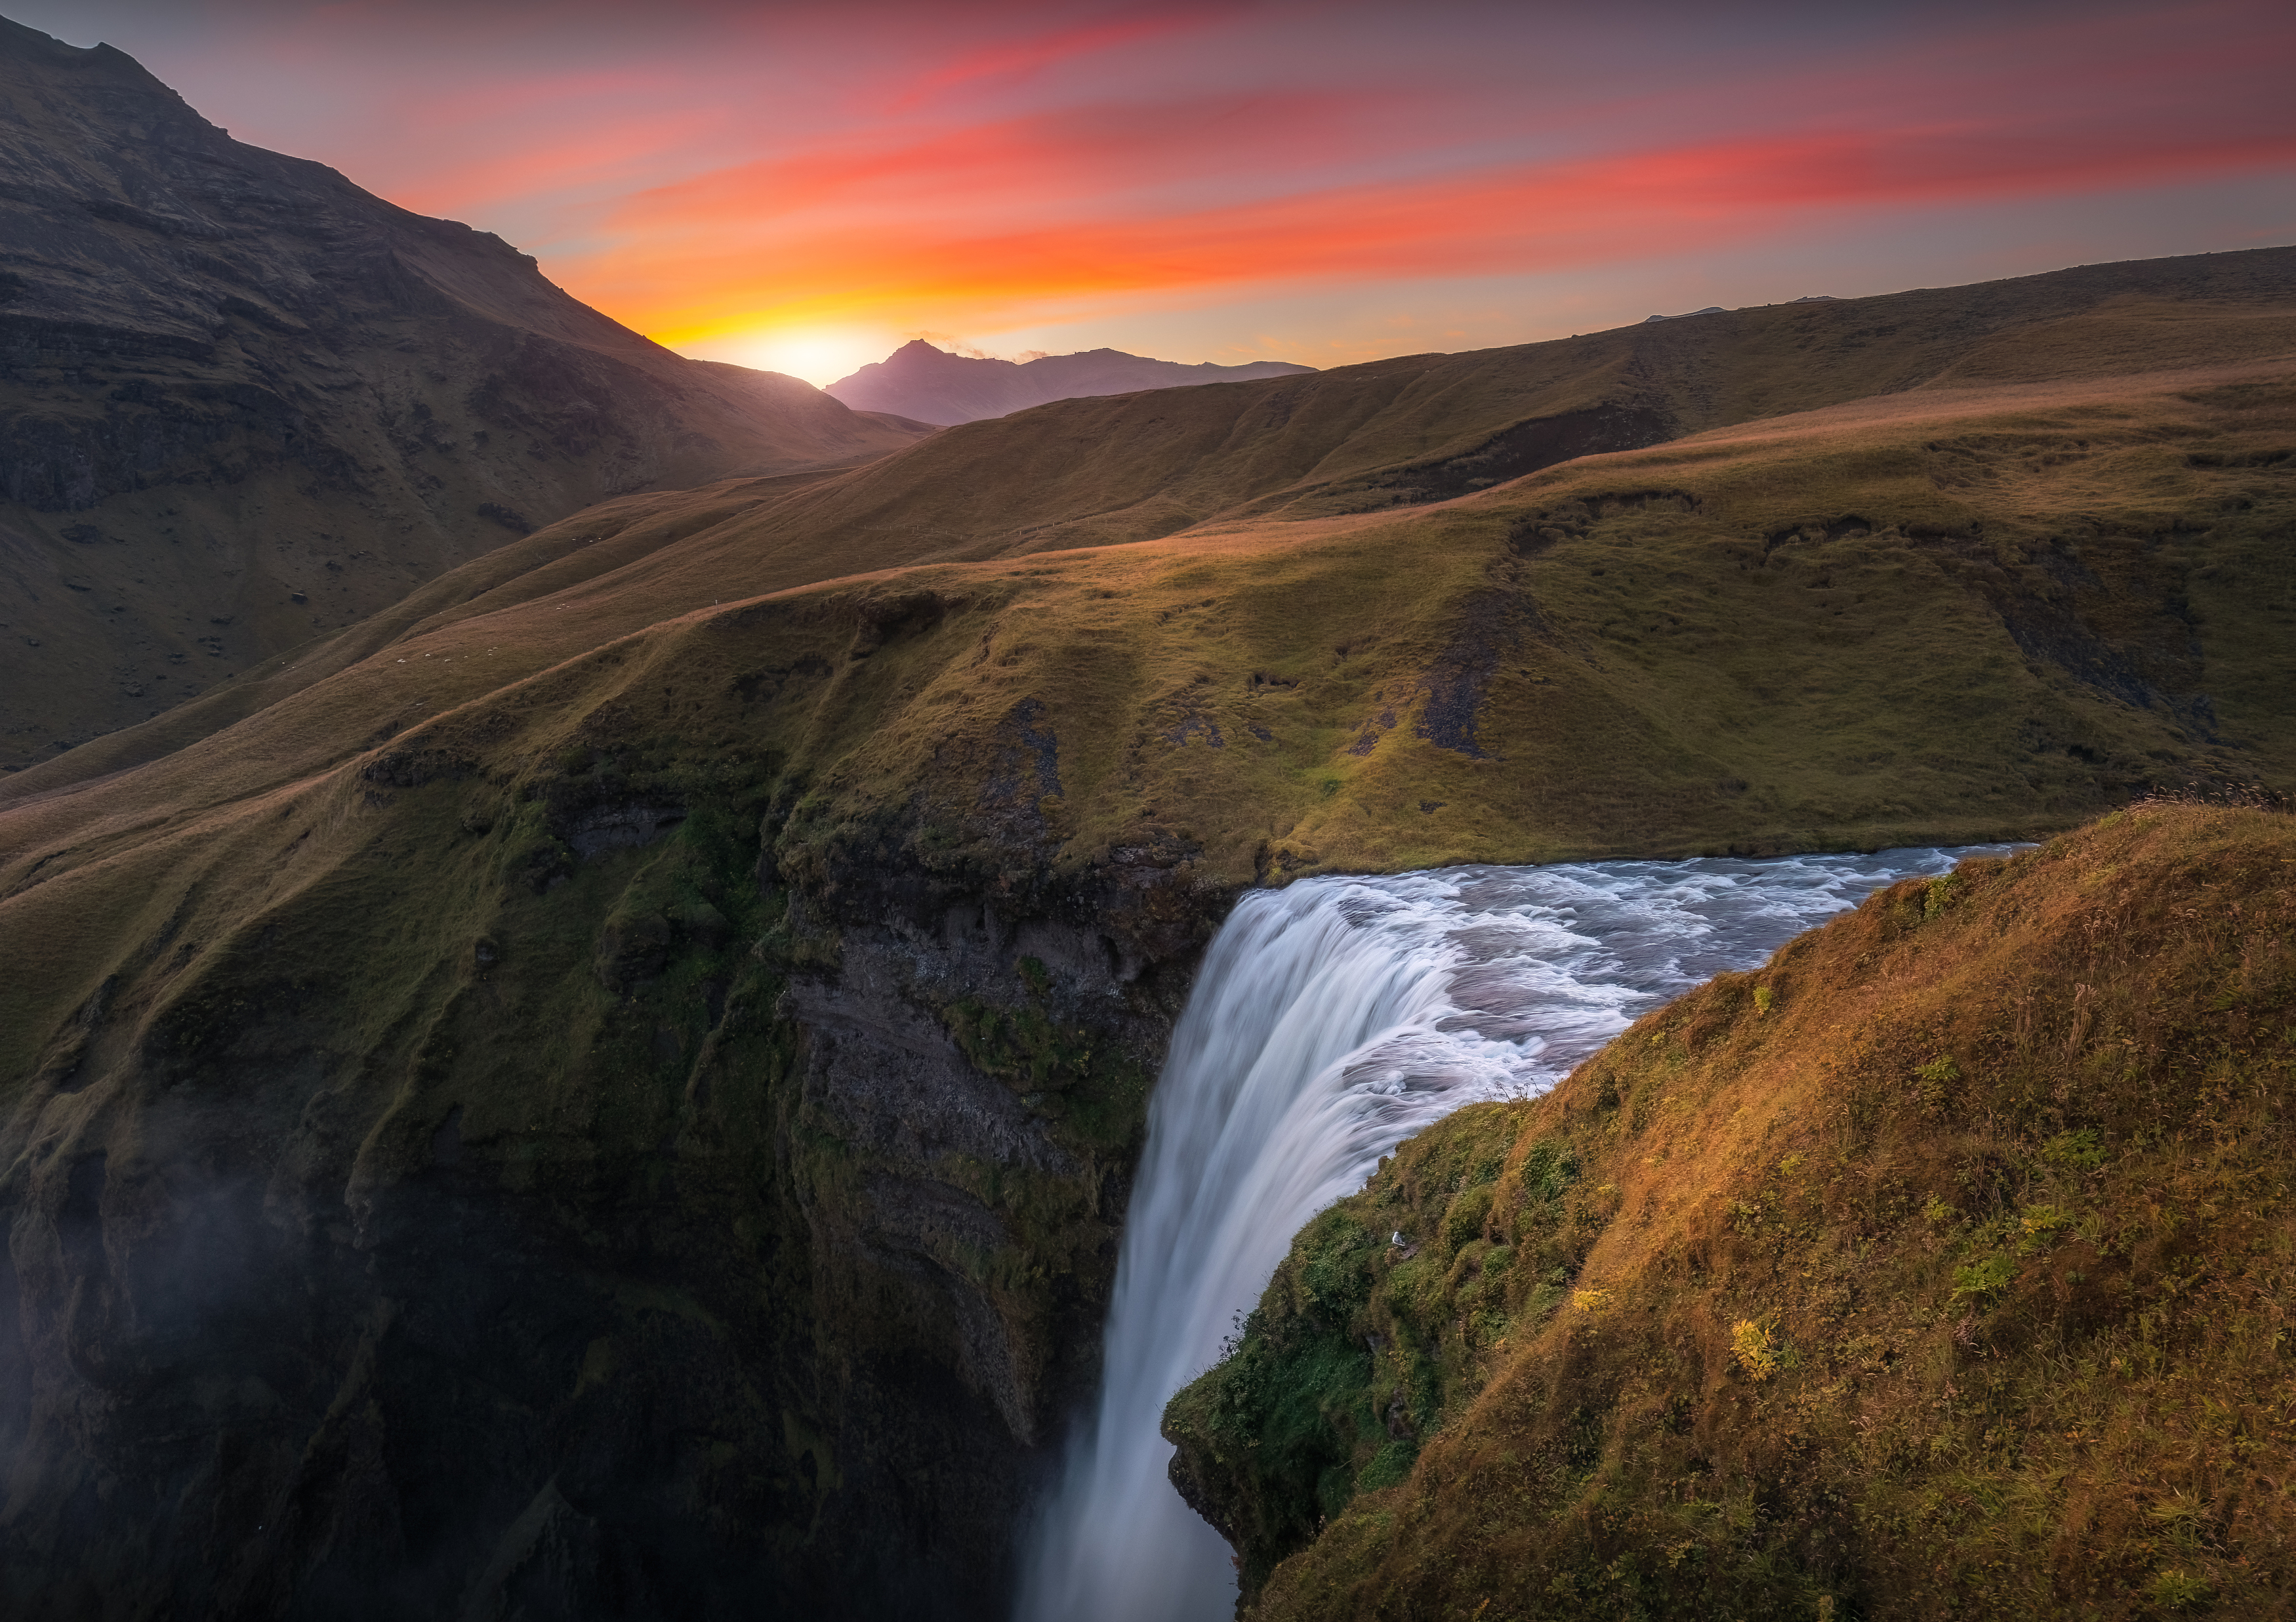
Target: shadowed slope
1938	621
1940	1267
242	399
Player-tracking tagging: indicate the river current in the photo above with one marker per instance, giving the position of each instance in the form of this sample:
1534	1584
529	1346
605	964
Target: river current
1332	1020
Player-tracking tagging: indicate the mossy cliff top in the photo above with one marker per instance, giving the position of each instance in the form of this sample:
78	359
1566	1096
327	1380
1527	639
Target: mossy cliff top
1940	1267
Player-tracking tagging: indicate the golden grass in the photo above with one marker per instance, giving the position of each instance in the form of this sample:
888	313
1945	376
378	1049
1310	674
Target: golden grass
1688	649
1941	1267
1372	438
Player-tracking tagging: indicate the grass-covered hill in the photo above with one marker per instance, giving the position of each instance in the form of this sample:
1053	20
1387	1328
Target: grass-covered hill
243	401
1941	1267
1398	436
1950	613
661	1018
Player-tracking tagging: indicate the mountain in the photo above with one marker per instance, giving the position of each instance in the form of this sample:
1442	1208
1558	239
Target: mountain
244	402
1936	1269
611	1085
934	386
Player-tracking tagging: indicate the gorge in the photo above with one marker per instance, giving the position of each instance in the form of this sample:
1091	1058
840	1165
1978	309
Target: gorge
608	1077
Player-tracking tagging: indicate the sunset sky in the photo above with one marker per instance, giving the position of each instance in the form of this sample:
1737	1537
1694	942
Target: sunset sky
804	188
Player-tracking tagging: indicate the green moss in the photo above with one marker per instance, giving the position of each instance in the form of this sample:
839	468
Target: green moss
1353	1357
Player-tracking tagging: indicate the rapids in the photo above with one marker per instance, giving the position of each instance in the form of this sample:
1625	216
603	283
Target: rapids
1331	1021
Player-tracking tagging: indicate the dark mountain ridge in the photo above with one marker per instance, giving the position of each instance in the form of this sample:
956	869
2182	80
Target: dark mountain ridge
931	384
242	402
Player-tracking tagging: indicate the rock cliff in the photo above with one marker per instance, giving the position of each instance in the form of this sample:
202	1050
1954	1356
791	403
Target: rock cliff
526	1177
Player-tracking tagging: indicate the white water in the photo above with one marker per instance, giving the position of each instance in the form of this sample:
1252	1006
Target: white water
1332	1020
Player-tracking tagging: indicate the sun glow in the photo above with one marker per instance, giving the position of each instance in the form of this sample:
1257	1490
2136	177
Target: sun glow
821	355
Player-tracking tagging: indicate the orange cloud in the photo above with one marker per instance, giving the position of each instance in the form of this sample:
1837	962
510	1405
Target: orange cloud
701	169
617	150
1037	163
715	256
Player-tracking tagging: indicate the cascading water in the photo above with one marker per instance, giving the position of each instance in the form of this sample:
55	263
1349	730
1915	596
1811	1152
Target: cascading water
1332	1020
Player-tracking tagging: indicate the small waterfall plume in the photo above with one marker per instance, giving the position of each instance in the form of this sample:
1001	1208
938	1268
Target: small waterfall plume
1332	1020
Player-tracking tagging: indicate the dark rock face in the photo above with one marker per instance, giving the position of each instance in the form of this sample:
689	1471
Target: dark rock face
675	1240
229	377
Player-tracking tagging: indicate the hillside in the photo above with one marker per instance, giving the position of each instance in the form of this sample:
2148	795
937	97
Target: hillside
1427	428
1418	433
931	384
657	1024
1937	1268
244	402
2022	601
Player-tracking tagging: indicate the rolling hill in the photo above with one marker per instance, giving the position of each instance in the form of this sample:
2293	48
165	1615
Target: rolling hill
1411	434
656	1024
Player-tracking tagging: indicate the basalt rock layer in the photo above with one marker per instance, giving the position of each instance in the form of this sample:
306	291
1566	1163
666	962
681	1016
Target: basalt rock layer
244	402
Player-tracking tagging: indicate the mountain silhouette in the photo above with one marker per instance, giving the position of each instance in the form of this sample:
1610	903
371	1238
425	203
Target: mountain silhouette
932	385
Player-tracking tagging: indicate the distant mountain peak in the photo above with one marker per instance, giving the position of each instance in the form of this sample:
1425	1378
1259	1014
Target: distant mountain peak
930	385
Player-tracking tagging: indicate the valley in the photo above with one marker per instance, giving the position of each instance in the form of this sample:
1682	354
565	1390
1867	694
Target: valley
598	1065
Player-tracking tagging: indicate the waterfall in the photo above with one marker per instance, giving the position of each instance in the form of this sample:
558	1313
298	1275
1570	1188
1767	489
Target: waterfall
1332	1020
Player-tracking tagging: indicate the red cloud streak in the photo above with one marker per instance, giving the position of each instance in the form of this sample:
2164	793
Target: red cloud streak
708	257
703	167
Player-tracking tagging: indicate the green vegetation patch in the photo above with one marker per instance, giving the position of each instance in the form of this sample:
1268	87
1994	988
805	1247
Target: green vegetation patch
1332	1384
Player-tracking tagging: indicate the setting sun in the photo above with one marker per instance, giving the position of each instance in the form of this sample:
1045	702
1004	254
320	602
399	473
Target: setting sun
820	355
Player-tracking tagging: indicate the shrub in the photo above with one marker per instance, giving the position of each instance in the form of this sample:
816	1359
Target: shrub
2076	1151
1751	1345
1980	1281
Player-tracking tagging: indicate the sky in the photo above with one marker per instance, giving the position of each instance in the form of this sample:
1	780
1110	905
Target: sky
804	188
